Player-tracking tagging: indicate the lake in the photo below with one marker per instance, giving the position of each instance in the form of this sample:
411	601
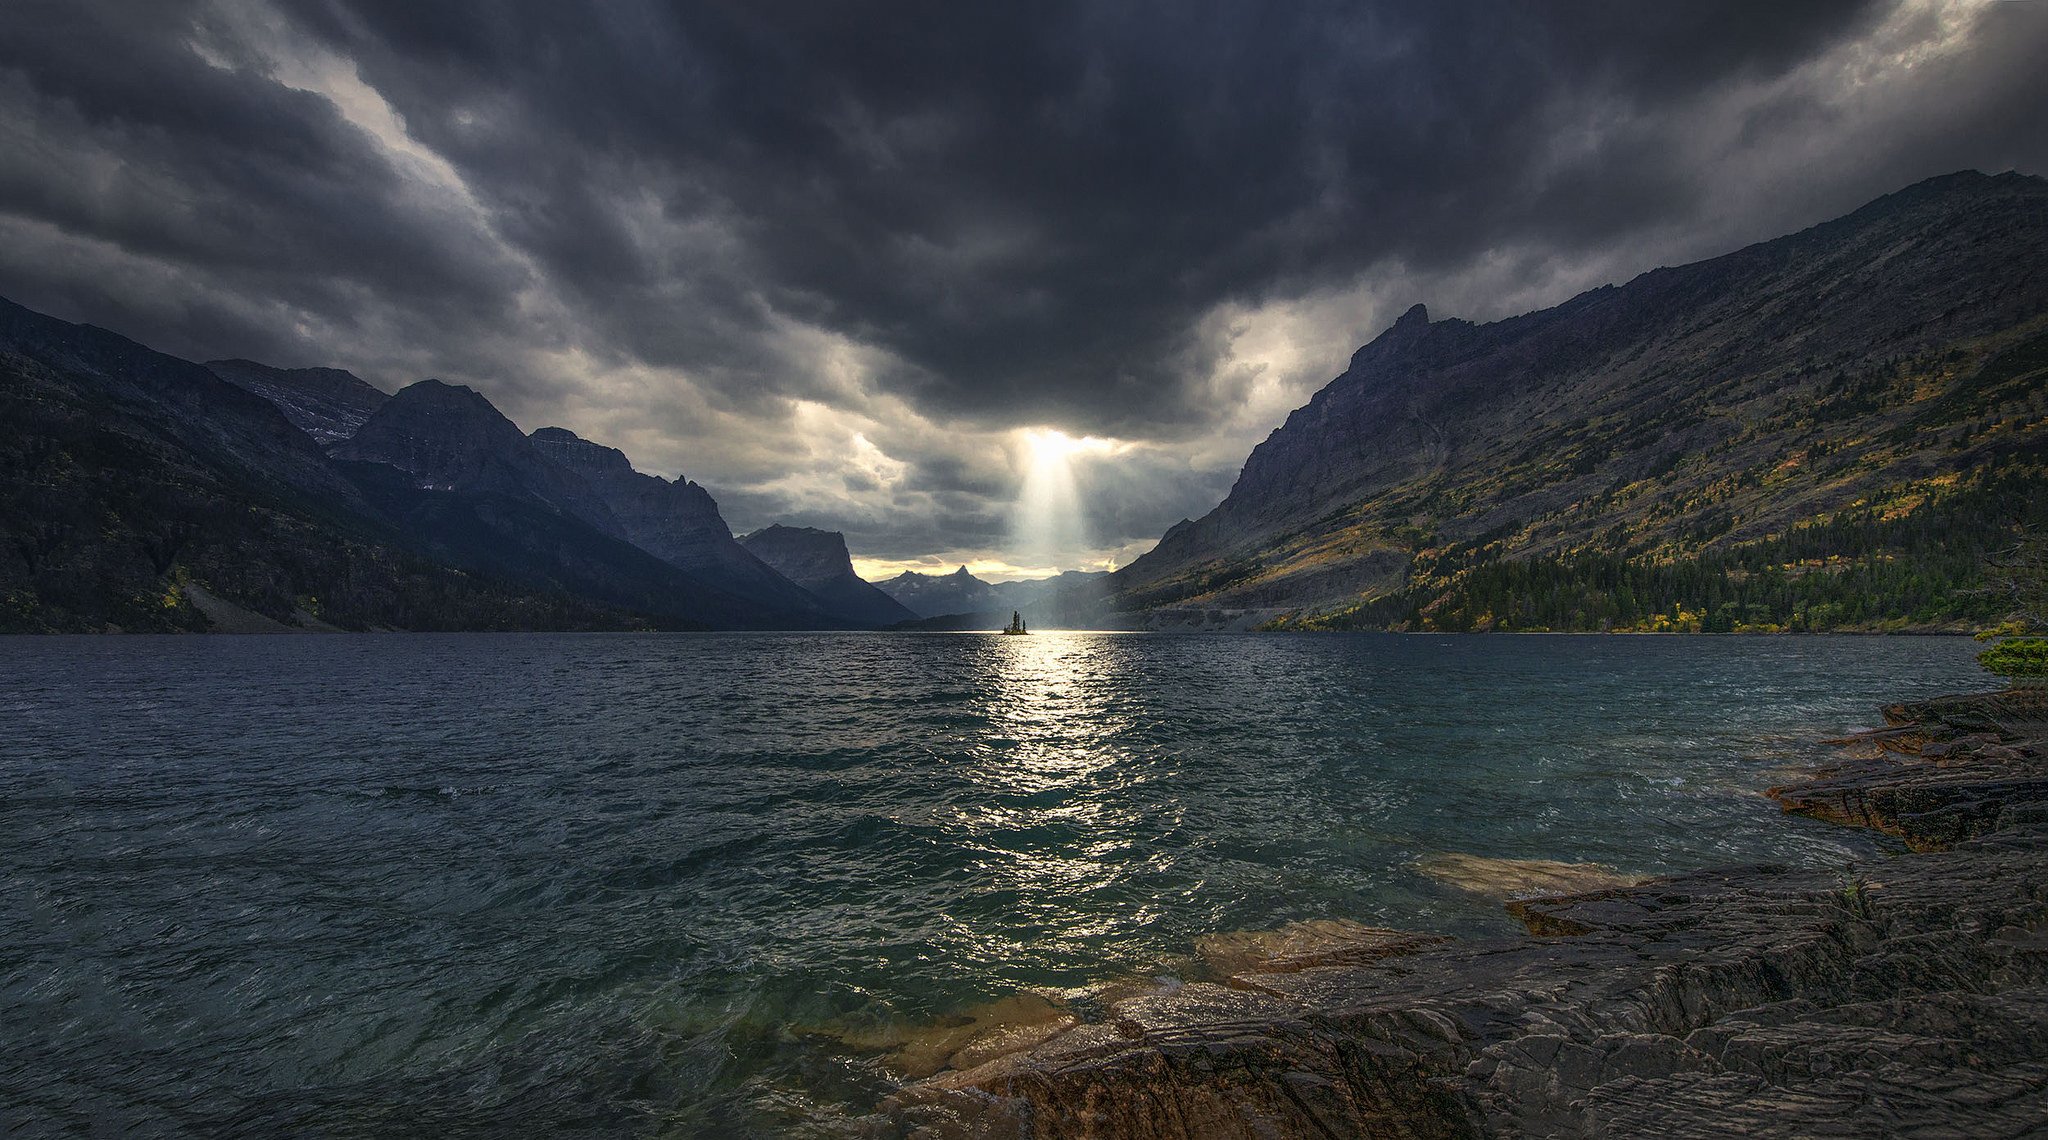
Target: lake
689	885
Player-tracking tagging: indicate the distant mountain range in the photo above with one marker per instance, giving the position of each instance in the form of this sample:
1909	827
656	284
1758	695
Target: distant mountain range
937	595
1830	430
962	601
143	492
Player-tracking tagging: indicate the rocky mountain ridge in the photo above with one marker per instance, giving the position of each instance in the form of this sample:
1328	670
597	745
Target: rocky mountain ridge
127	476
448	437
676	521
941	595
818	561
147	492
328	404
1867	371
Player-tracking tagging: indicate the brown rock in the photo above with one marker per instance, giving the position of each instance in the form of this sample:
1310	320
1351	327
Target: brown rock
1910	998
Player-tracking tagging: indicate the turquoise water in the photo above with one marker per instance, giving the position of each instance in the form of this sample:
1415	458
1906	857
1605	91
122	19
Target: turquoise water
620	884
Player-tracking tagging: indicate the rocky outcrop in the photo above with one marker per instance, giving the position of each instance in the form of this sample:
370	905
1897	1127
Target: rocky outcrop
1946	771
328	404
1904	997
818	561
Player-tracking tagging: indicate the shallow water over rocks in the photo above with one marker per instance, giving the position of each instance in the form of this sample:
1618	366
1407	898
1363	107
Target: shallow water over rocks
711	884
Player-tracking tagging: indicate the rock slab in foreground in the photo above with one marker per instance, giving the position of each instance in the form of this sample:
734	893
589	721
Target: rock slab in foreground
1906	998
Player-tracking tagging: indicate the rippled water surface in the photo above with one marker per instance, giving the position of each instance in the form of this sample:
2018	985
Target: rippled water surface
644	884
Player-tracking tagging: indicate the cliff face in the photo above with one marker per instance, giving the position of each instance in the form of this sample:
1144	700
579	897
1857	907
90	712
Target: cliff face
450	438
677	522
137	486
328	404
818	561
1694	408
141	489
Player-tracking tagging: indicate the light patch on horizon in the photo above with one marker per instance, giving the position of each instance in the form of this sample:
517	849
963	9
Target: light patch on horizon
987	568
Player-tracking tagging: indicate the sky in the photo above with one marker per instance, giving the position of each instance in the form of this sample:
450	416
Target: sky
852	265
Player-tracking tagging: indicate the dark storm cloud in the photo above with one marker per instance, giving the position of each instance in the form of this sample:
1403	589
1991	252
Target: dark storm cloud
680	225
1031	203
117	130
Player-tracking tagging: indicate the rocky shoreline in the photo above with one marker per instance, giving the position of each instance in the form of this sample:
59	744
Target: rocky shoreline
1906	996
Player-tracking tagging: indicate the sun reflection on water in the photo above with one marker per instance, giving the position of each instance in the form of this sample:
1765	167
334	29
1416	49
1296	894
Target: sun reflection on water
1051	824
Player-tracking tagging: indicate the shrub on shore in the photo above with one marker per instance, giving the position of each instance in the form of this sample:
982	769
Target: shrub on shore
2017	657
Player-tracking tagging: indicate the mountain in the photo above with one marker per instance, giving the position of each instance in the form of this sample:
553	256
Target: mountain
448	437
1072	599
937	595
1828	430
1076	598
558	508
818	561
141	492
676	521
1069	588
194	408
328	404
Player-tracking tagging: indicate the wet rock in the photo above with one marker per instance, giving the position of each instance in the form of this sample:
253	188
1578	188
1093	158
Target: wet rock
964	1040
1905	997
1302	945
2005	713
1971	760
1520	878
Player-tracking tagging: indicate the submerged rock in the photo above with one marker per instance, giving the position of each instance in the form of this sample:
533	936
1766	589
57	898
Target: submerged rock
1303	945
1906	997
963	1040
1520	878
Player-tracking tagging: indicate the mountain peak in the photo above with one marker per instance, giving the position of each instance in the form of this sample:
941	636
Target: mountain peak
1948	192
1518	436
328	404
437	399
1403	335
818	561
807	550
438	395
582	455
935	595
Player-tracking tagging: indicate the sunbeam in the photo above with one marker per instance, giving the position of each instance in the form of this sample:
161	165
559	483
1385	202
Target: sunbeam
1051	528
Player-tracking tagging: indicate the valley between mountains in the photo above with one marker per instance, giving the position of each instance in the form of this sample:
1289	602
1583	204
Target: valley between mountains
1831	430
